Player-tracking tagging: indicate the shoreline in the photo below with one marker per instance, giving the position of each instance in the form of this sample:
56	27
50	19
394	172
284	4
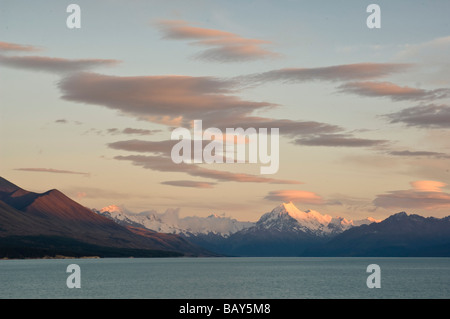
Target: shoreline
52	257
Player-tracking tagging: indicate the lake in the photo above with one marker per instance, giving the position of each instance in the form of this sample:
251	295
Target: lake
226	278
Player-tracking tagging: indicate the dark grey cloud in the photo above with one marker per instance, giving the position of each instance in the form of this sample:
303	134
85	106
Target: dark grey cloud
345	72
393	91
407	153
194	184
51	170
287	127
132	131
139	131
424	116
338	140
158	147
165	164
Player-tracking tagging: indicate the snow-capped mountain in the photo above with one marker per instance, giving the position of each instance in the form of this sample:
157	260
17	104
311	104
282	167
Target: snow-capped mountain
171	222
285	231
287	217
284	218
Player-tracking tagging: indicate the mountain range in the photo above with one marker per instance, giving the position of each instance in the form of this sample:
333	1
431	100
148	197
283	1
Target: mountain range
288	231
170	222
50	224
35	225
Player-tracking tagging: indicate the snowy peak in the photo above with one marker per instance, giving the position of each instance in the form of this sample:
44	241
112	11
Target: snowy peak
323	219
112	209
308	215
171	222
287	217
279	219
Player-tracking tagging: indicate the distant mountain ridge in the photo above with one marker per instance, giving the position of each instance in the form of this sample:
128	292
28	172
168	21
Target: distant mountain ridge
288	231
28	220
285	217
288	217
285	231
170	222
398	235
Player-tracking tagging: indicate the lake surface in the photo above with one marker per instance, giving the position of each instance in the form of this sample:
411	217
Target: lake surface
230	278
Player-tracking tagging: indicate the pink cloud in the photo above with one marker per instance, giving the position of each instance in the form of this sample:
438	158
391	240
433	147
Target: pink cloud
179	29
171	97
8	46
297	196
428	186
222	46
53	65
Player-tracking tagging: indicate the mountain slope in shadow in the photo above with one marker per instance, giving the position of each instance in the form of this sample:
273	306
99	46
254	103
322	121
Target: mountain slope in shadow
29	220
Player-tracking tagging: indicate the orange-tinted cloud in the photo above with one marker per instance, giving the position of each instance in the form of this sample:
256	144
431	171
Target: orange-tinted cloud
296	196
181	99
180	29
428	186
425	194
80	195
222	46
8	46
171	96
53	65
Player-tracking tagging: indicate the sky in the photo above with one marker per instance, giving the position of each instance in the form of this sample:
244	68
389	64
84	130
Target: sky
363	113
